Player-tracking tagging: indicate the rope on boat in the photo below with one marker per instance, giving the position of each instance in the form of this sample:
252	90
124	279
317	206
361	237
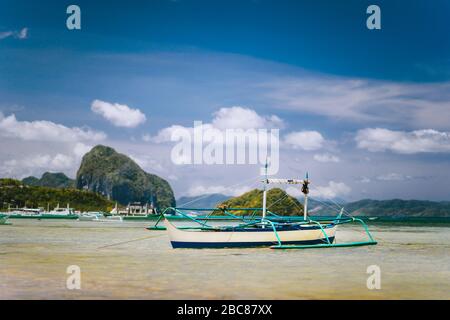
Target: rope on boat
207	195
123	242
339	207
278	200
282	198
327	204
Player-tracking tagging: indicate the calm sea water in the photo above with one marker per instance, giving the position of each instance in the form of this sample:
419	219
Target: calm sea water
126	261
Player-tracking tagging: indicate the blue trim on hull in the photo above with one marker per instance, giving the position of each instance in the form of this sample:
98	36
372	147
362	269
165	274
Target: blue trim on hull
204	245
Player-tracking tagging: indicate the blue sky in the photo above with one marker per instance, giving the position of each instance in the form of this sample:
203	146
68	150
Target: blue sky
379	98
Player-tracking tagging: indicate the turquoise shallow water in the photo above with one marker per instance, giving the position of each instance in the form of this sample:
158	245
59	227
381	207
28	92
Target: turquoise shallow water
414	263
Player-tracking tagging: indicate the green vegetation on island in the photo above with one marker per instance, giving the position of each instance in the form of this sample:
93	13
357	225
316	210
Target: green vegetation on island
14	193
278	202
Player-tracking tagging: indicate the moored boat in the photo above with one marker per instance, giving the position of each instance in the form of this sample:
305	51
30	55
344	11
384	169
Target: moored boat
61	211
99	217
271	230
17	213
90	216
253	235
39	213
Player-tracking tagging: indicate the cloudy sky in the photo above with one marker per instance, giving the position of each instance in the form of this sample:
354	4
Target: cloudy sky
365	112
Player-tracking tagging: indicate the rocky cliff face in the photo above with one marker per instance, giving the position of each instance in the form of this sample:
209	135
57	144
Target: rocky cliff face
116	176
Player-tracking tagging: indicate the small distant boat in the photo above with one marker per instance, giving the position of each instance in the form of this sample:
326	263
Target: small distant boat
99	217
61	212
271	230
24	212
39	213
90	216
135	211
112	219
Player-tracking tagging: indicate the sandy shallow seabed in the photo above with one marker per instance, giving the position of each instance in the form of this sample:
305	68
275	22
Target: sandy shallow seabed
34	255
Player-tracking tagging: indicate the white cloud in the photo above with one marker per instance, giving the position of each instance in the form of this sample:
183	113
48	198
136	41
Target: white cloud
119	115
237	117
165	134
332	190
225	118
45	162
364	179
35	161
81	149
326	157
61	161
294	192
6	34
393	177
22	34
41	130
353	99
305	140
418	141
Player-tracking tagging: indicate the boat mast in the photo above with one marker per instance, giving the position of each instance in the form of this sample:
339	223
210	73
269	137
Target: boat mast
265	193
305	190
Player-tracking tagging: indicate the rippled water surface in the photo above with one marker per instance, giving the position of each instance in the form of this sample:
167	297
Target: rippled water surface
126	261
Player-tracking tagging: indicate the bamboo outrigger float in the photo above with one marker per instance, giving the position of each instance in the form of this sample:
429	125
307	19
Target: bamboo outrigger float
269	230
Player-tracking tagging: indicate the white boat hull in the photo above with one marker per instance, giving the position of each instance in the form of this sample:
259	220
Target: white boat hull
99	218
308	234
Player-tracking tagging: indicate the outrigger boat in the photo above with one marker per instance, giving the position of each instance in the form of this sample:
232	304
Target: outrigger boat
271	230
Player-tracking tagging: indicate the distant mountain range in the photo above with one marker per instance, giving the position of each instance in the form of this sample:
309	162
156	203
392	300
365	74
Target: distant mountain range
366	207
51	180
382	208
398	207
